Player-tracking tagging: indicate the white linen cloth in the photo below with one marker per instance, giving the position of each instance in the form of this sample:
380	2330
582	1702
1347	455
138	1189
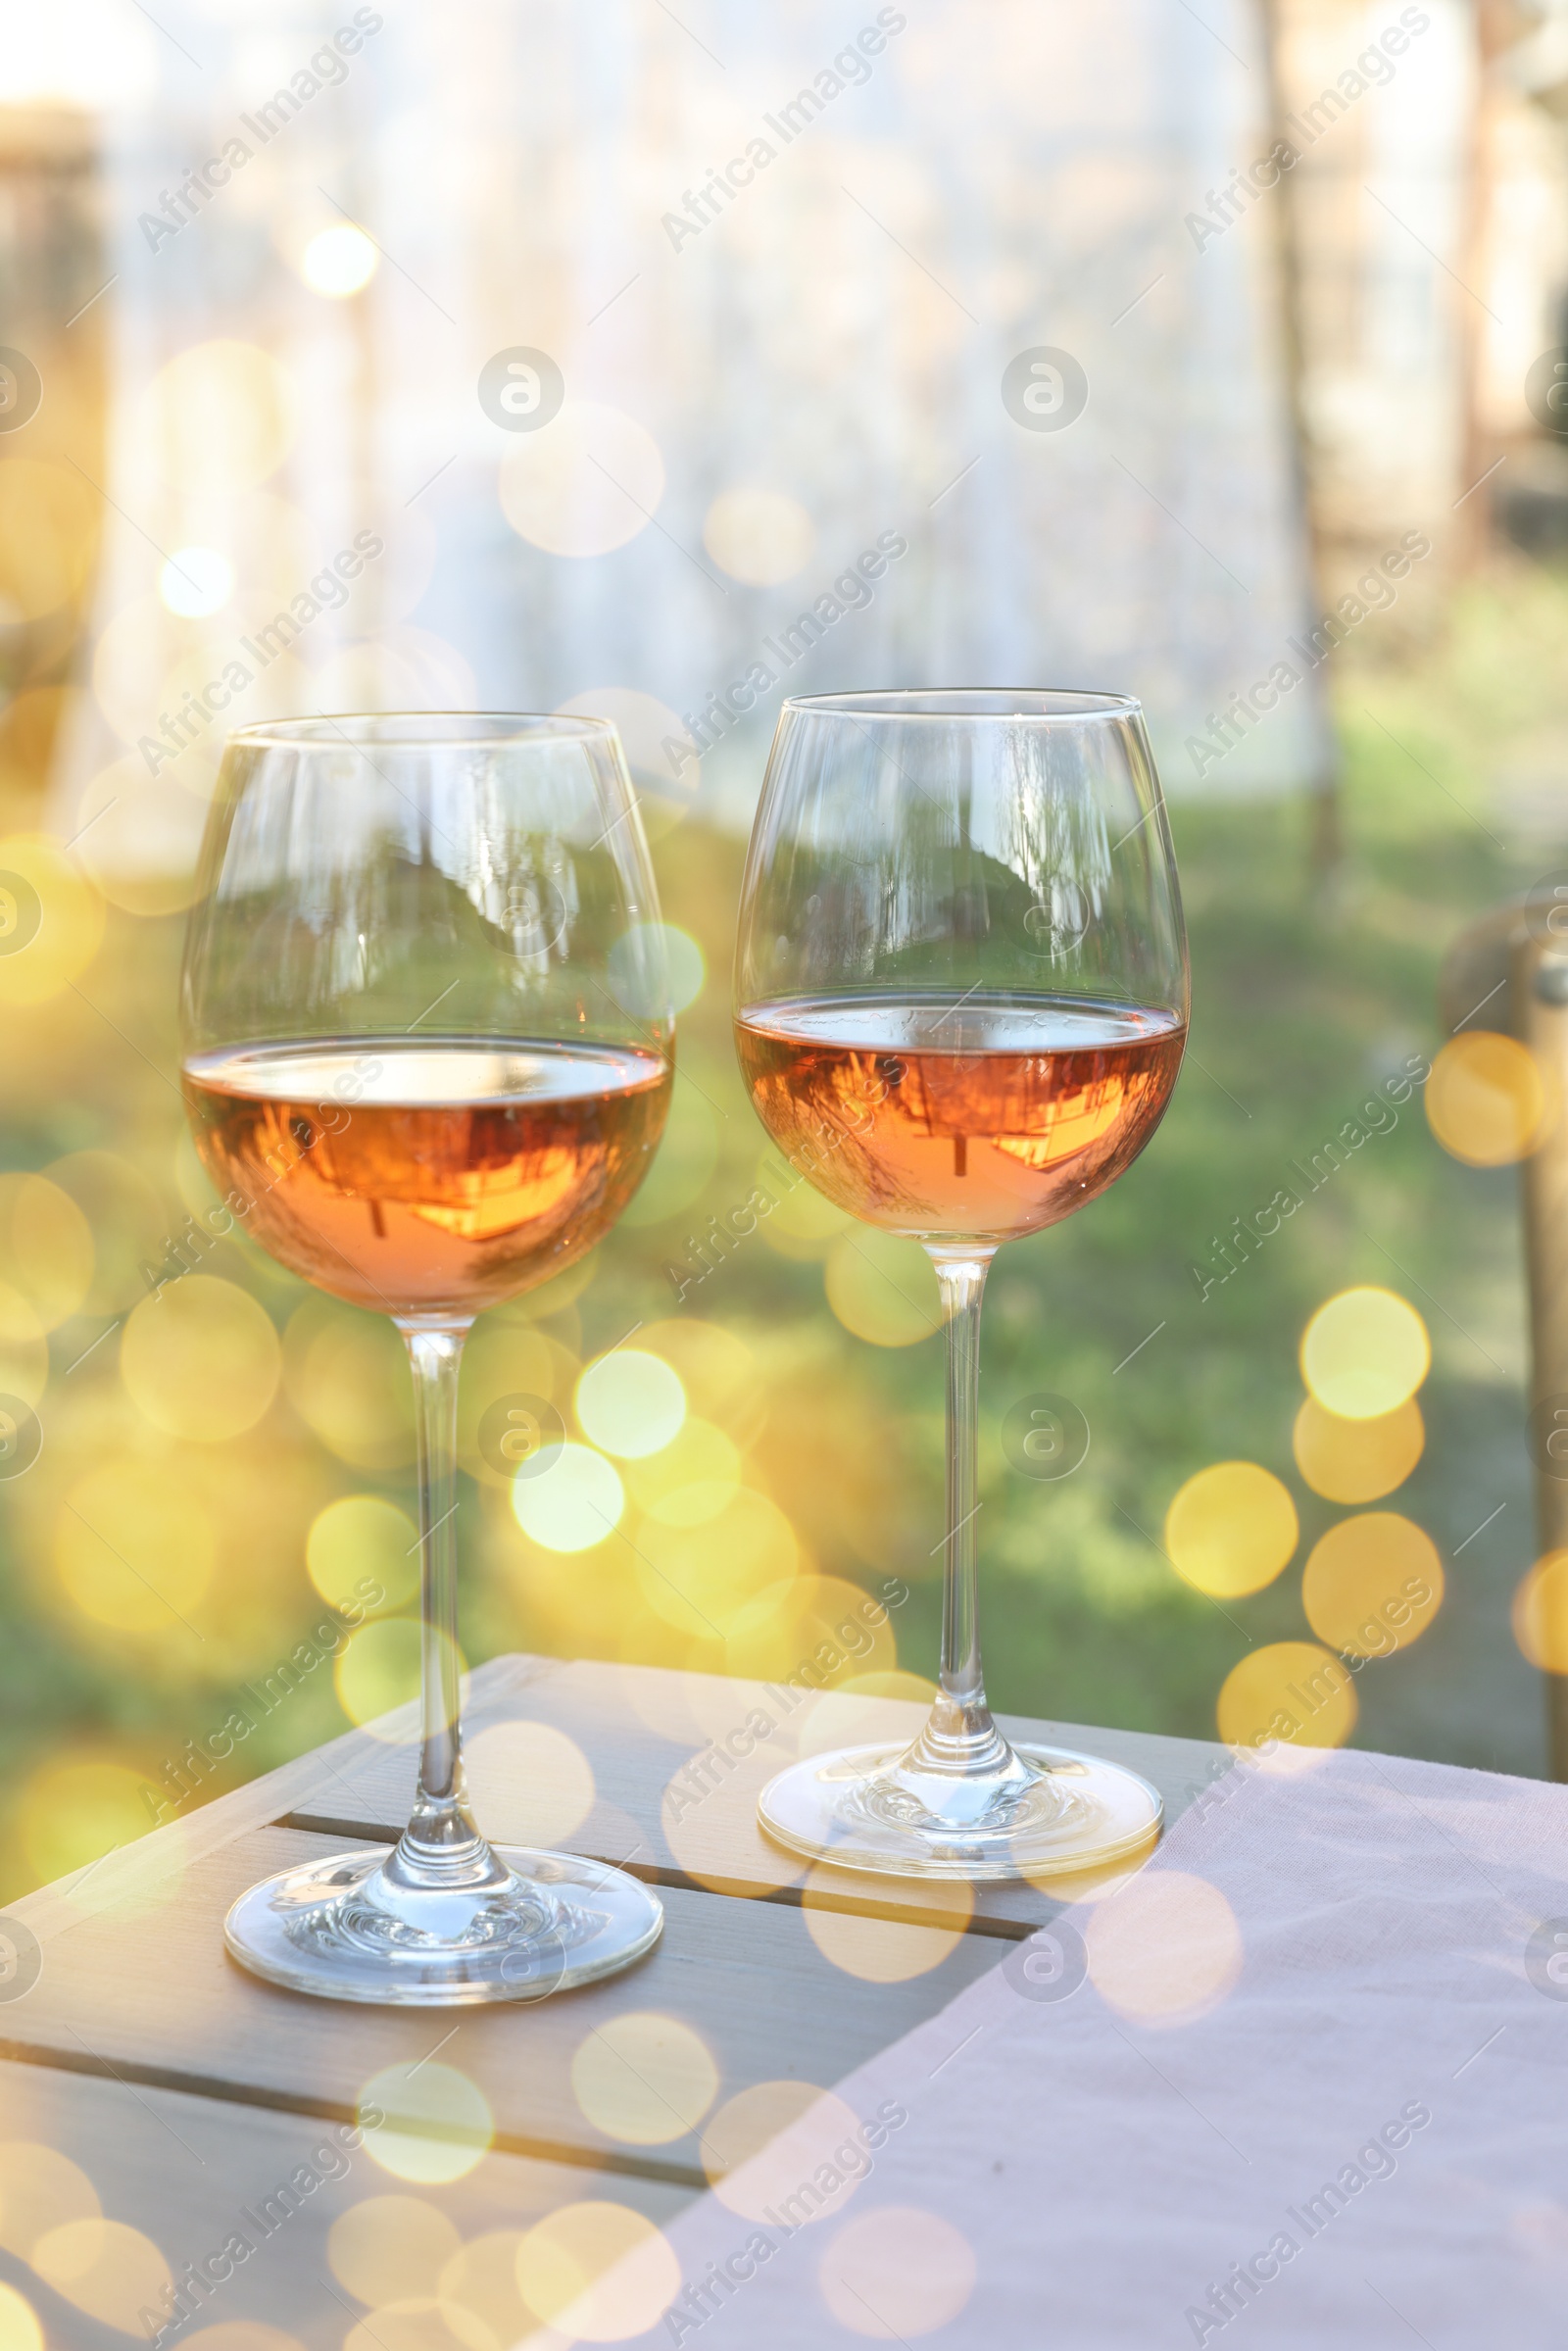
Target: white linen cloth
1379	2096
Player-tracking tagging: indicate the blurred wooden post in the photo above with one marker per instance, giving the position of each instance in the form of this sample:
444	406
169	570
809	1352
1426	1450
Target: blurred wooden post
1510	971
1540	1000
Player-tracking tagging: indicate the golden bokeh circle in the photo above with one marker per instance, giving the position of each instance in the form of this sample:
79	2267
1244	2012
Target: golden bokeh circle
1357	1460
19	2327
1489	1100
70	921
46	1247
644	2078
1291	1692
346	1374
690	1479
135	1549
75	1806
437	2123
882	1287
202	1359
1540	1613
578	1502
1365	1352
1163	1948
762	2145
391	2248
897	2273
1231	1528
480	2280
105	2268
378	1669
631	1403
50	518
363	1553
536	1775
596	2272
40	2189
877	1950
700	1574
1372	1585
23	1346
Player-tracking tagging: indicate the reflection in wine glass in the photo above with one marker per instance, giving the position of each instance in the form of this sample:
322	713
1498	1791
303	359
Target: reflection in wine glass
961	1009
413	1081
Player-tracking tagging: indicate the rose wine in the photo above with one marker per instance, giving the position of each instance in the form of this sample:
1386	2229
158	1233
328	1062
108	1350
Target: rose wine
976	1117
430	1178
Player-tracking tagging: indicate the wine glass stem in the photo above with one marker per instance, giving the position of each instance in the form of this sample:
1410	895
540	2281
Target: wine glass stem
961	1732
441	1843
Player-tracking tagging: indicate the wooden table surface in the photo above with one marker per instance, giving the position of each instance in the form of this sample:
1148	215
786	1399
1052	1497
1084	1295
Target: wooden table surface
187	2091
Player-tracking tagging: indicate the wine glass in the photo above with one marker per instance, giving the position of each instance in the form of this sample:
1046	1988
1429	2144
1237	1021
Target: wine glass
427	1059
962	998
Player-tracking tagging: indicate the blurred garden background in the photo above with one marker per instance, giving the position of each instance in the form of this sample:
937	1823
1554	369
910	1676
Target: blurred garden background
202	1462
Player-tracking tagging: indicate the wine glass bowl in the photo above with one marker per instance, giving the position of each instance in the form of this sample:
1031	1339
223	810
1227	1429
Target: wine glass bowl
961	997
428	1055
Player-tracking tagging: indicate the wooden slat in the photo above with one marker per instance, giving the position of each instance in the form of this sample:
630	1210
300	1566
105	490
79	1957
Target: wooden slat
639	1724
186	2171
149	1994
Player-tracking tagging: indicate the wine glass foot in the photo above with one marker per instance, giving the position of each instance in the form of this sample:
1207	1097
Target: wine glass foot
349	1928
1044	1811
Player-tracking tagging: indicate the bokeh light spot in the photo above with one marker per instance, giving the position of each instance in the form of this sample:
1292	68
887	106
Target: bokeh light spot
364	1553
76	1807
882	1287
631	1404
378	1670
479	2287
1365	1353
134	1548
70	920
196	581
585	483
897	2273
762	2144
878	1950
1231	1528
699	1571
1489	1099
391	2248
572	1504
19	2330
534	1776
338	261
760	536
40	2189
700	1460
1165	1947
1540	1613
201	1359
644	2078
655	969
1357	1460
437	2122
23	1346
217	418
1290	1690
1372	1585
105	2268
597	2273
347	1375
46	1247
